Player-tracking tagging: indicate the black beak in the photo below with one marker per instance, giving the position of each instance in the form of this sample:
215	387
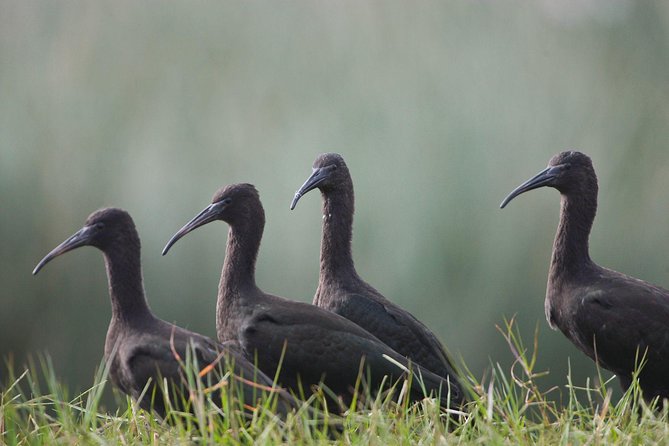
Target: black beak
541	179
208	214
317	177
80	238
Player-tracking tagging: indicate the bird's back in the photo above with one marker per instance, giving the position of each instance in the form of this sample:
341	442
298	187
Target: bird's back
391	324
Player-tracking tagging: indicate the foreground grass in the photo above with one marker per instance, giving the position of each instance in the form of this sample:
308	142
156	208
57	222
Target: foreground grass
508	408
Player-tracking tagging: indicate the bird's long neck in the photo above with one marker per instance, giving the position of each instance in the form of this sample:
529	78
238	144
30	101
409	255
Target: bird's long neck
237	285
126	288
336	257
571	258
240	256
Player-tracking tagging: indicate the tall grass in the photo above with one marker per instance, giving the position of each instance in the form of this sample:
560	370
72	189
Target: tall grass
509	406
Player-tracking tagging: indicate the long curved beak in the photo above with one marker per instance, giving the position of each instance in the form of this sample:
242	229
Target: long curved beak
80	238
208	214
541	179
317	177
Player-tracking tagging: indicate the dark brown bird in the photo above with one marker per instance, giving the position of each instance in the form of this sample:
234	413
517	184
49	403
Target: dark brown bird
320	346
614	319
142	348
342	291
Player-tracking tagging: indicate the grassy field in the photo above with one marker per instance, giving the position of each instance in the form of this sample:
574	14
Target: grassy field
509	408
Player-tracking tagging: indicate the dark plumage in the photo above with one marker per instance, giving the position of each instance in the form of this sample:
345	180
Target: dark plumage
139	346
613	318
320	346
342	291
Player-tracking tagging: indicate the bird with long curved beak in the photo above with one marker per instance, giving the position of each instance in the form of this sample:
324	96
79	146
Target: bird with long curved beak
620	322
340	288
304	345
144	351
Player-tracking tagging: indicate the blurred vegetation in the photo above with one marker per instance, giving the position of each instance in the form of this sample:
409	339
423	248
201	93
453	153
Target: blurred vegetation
439	108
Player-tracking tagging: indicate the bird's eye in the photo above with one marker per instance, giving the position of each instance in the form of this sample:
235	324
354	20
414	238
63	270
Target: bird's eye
99	226
226	201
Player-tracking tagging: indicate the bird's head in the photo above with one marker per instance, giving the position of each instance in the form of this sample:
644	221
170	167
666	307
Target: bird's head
102	229
566	171
229	204
329	172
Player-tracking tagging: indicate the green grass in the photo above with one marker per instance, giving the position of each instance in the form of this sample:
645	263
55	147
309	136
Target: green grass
509	407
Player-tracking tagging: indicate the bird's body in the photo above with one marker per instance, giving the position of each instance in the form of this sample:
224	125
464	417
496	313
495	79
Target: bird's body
616	320
157	350
393	325
310	345
142	349
342	291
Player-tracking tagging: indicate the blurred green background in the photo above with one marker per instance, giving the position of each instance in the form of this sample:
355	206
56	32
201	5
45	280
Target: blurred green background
439	108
